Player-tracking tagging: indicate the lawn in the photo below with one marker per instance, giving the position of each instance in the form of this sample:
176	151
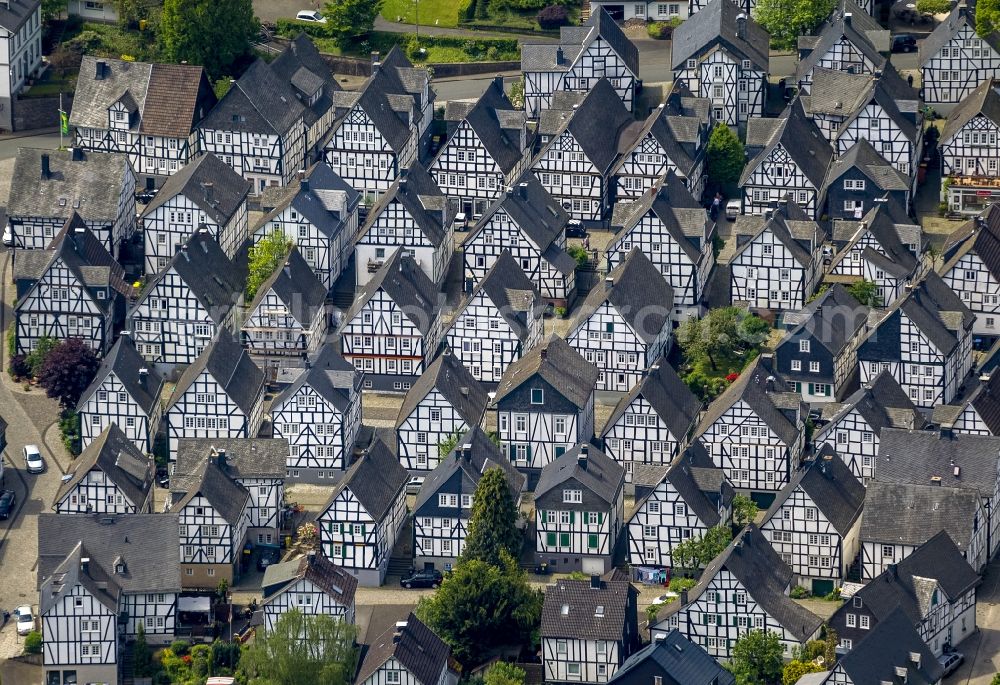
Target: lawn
431	12
52	84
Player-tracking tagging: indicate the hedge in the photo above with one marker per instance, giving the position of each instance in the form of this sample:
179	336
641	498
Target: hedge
466	10
290	28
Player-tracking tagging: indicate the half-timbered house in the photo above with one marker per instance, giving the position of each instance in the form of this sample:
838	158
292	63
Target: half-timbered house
204	194
925	341
977	414
408	652
576	164
778	261
934	586
789	158
893	650
485	151
393	329
529	223
673	137
971	268
319	414
213	514
672	229
579	511
48	187
361	522
861	178
507	308
412	215
318	211
186	304
652	423
311	585
589	628
672	659
444	402
755	430
288	318
111	476
220	395
954	59
444	505
148	112
626	325
721	54
257	128
818	354
814	523
678	508
743	589
970	156
584	55
545	405
850	41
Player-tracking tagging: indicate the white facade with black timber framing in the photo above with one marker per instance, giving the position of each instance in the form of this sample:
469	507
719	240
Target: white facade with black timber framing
850	40
408	653
311	585
954	60
970	156
971	267
21	47
111	476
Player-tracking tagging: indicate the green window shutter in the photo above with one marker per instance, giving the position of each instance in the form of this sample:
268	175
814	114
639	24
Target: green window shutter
560	450
343	550
592	541
734	620
528	451
609	327
362	529
600	517
550	539
564	539
572	517
810	386
513	452
704	619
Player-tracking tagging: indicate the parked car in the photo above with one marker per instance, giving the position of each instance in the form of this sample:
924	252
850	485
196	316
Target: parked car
424	578
7	500
310	15
665	598
25	621
414	484
950	662
146	196
33	459
267	556
904	42
575	229
733	209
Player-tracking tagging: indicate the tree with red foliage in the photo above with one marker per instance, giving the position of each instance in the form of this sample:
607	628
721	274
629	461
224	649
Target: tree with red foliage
68	370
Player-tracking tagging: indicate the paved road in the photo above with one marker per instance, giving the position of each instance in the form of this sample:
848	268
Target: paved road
982	651
9	145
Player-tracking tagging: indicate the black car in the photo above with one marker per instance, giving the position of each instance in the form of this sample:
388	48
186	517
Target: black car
904	42
574	229
425	578
267	555
7	499
146	196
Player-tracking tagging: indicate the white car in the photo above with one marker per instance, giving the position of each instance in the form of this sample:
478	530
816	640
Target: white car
8	236
25	621
664	599
733	209
311	15
33	459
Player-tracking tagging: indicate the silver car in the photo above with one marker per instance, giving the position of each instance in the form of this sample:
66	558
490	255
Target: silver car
33	459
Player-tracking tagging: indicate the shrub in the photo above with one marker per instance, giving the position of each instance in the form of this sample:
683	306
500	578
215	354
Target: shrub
18	367
11	340
798	592
580	255
180	647
36	358
552	17
33	643
833	595
678	584
69	428
933	6
662	30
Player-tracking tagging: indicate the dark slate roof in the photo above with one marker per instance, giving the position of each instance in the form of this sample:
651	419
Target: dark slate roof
376	480
557	364
961	15
982	100
329	375
863	157
120	81
68	572
239	458
909	514
687	478
512	293
260	101
911	456
597	472
379	99
864	33
454	382
575	609
889	646
90	186
127	365
598	125
418	649
798	136
420	196
491	118
638	292
573	40
302	66
681	661
668	395
882	404
751	387
716	23
831	486
231	367
319	200
14	13
147	543
986	402
408	286
317	569
833	319
121	462
884	222
845	94
980	235
296	285
759	569
210	184
212	482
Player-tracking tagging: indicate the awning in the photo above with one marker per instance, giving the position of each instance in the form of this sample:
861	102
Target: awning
194	604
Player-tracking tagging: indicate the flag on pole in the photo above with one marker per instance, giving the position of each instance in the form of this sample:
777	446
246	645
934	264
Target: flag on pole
63	123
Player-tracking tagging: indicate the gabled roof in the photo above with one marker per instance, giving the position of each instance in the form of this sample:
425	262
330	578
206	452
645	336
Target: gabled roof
302	65
556	363
980	235
961	16
687	478
589	467
512	293
14	13
495	121
408	286
576	609
831	487
448	376
888	647
97	90
911	456
982	100
386	103
849	21
325	200
223	493
986	402
122	463
239	458
415	646
420	196
141	380
231	367
69	573
667	394
882	404
679	130
799	138
845	95
716	22
318	570
298	288
330	376
259	101
682	662
832	319
863	157
598	125
146	543
210	184
376	480
573	40
89	186
908	514
638	292
883	222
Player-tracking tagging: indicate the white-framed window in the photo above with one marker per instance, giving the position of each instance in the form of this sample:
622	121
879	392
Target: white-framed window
573	496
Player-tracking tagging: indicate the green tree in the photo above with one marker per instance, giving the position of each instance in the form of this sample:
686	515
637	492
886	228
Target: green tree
492	530
744	510
757	658
265	257
721	334
714	543
685	554
53	9
36	358
726	156
301	649
33	643
142	656
987	17
213	33
447	446
480	606
517	93
996	679
786	20
130	12
865	292
504	673
934	6
347	20
67	371
795	669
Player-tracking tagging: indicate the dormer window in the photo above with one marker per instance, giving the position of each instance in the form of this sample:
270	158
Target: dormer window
573	496
119	116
